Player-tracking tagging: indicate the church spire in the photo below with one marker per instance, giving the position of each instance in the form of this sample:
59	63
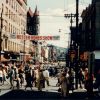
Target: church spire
36	12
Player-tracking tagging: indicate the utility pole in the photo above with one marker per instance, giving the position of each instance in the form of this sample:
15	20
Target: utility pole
77	59
70	16
71	21
1	33
70	44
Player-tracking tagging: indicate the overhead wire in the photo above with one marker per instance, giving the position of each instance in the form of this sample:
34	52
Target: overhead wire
82	2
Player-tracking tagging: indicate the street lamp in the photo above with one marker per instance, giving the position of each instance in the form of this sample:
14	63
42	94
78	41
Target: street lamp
24	50
1	26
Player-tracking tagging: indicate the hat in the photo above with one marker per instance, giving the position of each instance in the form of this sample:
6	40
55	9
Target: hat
86	69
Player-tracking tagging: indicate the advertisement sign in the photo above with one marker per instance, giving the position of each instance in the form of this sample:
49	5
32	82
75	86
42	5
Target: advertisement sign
34	37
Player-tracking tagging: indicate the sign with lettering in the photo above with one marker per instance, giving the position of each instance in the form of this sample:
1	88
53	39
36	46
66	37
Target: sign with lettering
34	37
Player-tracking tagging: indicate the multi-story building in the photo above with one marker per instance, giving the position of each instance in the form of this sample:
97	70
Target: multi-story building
14	22
88	28
33	22
96	4
52	53
91	31
33	29
91	26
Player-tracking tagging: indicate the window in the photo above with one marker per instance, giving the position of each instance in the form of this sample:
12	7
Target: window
6	1
6	42
6	26
28	20
9	14
6	11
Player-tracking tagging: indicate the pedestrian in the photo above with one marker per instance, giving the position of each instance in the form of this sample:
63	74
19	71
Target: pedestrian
64	85
33	76
71	79
81	77
1	75
15	71
46	76
4	74
17	82
28	77
89	83
21	76
11	76
59	76
36	72
40	80
97	83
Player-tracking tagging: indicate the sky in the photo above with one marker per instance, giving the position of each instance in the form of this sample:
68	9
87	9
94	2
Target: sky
52	18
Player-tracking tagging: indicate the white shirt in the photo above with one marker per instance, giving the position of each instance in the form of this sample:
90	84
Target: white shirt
67	75
1	73
46	73
4	72
37	74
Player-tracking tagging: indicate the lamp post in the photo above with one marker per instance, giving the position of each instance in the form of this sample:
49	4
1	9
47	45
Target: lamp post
24	49
1	26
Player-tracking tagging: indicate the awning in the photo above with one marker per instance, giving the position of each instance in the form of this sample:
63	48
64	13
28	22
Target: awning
3	59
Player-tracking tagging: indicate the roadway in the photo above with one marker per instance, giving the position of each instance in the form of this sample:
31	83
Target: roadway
49	93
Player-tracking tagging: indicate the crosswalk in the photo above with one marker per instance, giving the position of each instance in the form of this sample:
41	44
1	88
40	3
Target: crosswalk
52	88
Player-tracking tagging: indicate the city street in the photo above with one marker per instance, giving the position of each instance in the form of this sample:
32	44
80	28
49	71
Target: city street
47	93
57	41
52	88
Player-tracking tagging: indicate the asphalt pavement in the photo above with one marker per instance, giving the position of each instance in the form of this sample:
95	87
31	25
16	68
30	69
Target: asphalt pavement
49	93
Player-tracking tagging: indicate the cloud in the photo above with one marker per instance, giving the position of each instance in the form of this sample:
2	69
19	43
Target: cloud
57	11
53	19
52	13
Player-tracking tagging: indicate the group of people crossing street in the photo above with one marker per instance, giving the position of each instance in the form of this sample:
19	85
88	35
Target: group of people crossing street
24	74
27	75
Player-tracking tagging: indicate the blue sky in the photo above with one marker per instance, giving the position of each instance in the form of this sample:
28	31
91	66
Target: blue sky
52	17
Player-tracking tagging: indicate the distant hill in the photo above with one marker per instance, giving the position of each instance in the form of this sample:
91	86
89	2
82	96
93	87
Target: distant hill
59	48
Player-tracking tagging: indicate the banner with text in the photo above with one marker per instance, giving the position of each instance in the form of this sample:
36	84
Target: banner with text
34	37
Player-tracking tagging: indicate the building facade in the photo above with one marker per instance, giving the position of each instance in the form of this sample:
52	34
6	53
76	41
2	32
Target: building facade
88	28
14	22
33	27
96	4
33	22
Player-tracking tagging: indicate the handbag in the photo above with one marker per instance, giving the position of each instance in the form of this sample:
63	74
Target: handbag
59	89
